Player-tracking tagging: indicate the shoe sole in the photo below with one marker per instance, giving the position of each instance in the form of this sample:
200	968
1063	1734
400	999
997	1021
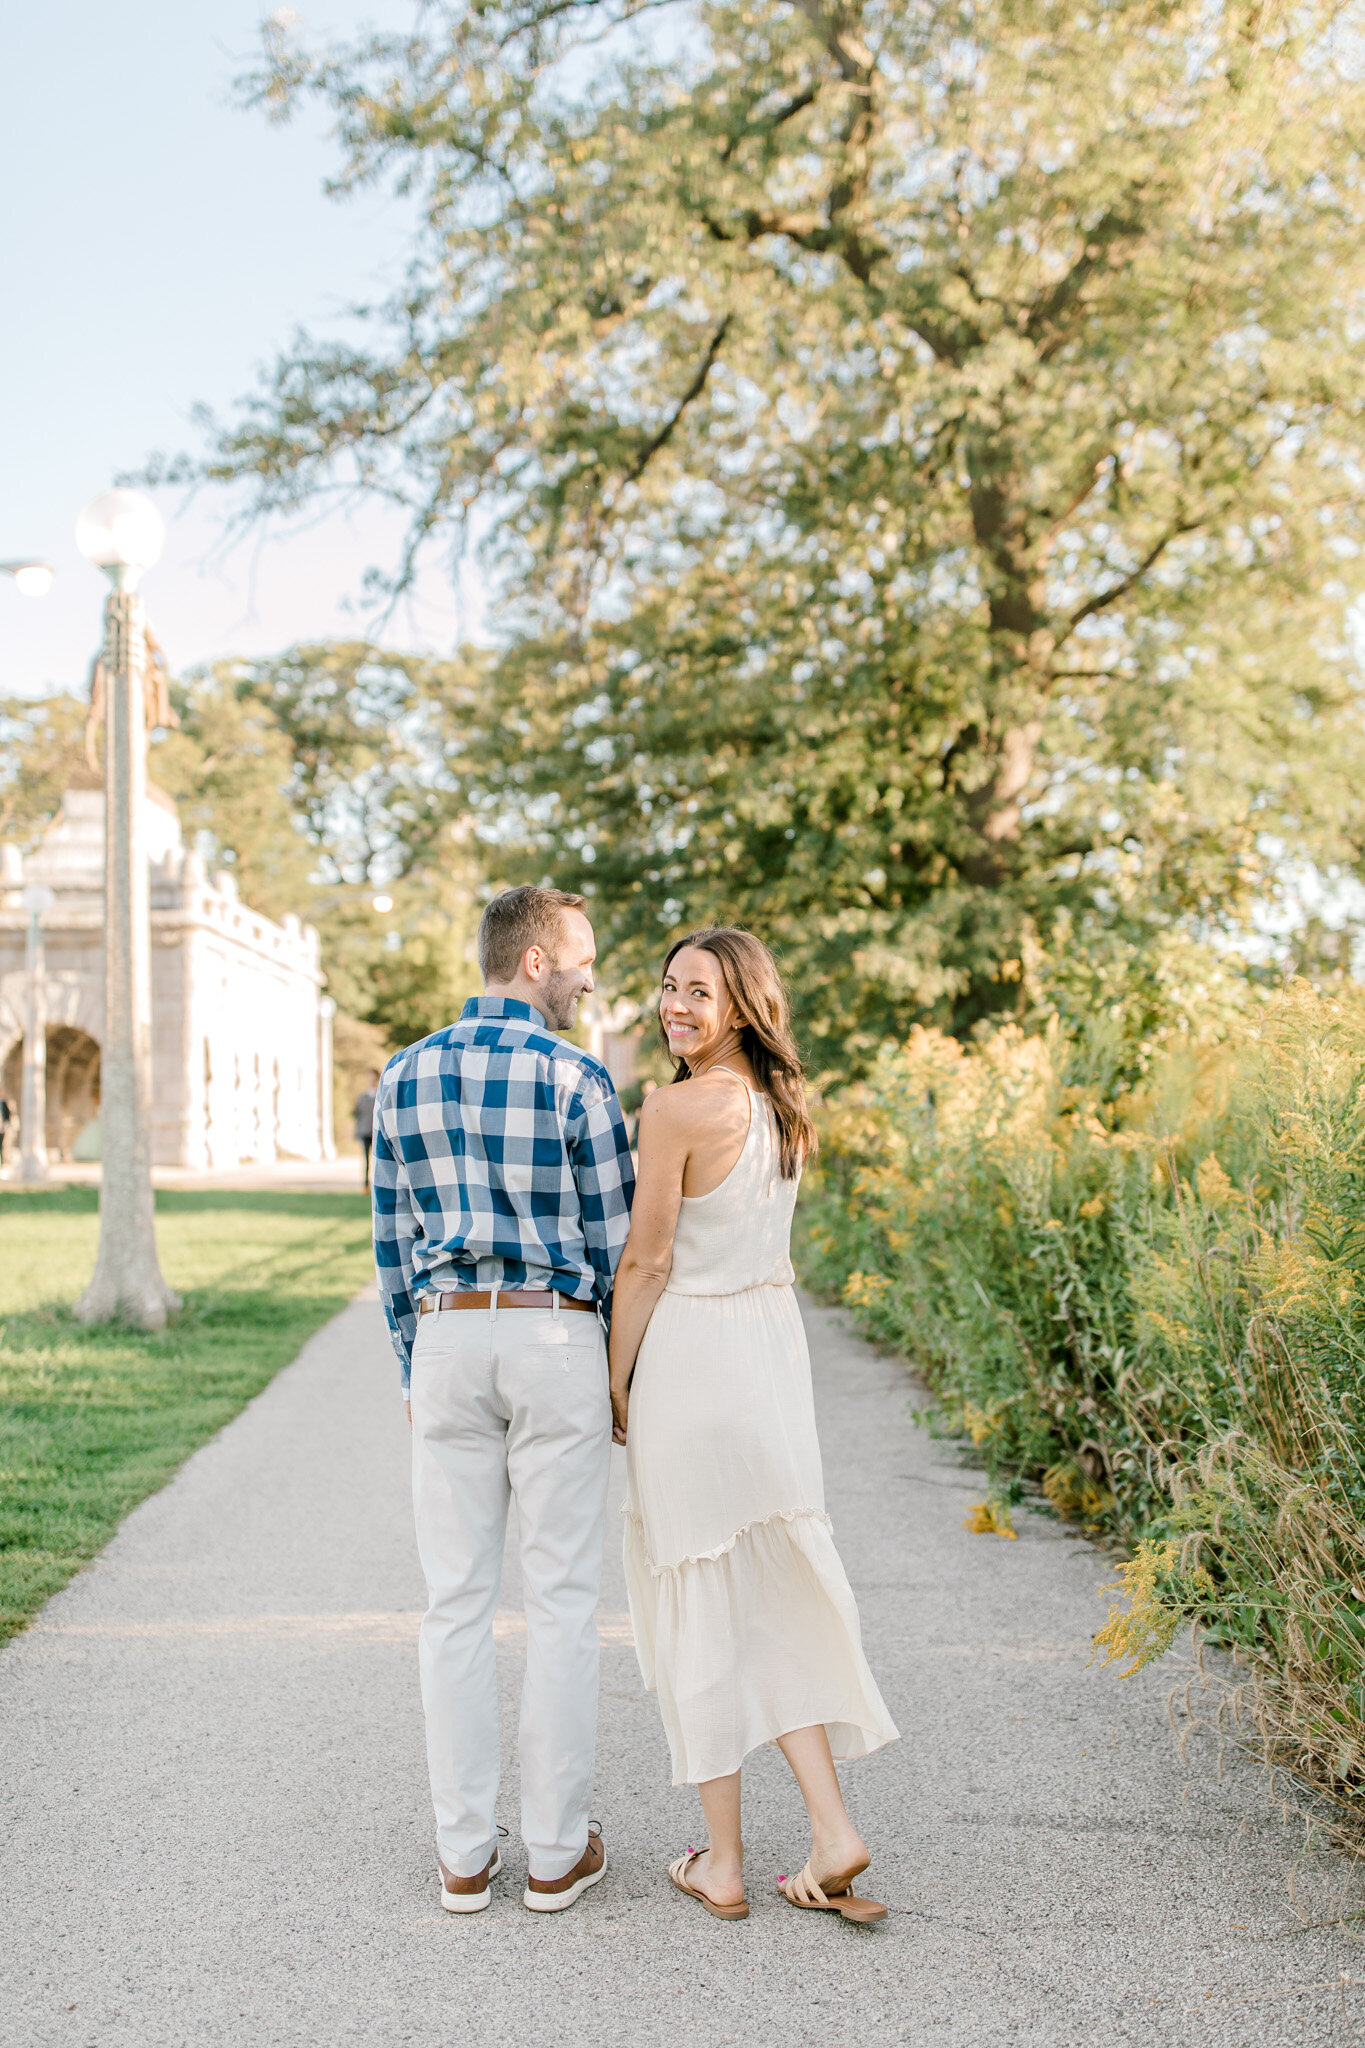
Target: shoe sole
559	1902
471	1902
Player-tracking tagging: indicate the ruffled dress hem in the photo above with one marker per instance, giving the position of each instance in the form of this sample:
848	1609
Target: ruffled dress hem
723	1549
751	1639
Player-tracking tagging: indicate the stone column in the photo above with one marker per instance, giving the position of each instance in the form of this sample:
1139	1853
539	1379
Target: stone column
196	1018
33	1087
127	1279
327	1009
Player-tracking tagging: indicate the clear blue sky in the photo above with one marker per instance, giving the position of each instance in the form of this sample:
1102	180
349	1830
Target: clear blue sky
157	245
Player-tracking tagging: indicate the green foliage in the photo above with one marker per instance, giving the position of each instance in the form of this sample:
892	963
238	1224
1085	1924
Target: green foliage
366	733
93	1420
319	779
917	447
320	776
408	972
1149	1300
229	767
42	746
357	1051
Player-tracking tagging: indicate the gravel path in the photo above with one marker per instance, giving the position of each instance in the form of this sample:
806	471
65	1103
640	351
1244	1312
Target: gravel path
215	1820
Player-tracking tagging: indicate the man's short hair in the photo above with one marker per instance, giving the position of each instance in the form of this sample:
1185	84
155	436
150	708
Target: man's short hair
517	920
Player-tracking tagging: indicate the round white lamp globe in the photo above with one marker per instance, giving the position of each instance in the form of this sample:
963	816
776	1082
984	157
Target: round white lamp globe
37	899
32	579
122	533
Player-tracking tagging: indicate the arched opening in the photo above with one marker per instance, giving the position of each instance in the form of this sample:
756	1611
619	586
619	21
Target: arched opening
73	1084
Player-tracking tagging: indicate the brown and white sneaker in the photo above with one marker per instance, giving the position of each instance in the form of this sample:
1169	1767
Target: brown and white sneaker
469	1894
553	1894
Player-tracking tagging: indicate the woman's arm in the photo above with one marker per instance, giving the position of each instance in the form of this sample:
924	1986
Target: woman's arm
648	1257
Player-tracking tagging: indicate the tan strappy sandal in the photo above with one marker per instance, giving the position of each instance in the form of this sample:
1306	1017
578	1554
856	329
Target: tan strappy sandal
834	1897
678	1872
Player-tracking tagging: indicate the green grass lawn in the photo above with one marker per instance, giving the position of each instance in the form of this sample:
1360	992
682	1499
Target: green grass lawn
92	1421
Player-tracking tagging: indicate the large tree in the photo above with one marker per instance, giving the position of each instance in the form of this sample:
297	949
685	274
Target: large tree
918	445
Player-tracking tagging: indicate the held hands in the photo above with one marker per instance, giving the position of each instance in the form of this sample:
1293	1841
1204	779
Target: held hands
620	1401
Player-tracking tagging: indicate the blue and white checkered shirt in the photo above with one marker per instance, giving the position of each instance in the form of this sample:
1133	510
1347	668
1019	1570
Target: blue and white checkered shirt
500	1160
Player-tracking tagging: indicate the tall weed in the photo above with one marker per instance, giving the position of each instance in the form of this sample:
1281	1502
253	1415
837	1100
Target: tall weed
1143	1291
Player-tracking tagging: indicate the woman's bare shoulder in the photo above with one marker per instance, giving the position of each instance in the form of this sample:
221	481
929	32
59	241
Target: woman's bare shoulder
685	1105
666	1108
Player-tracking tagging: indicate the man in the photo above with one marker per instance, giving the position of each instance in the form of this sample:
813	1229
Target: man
502	1190
364	1122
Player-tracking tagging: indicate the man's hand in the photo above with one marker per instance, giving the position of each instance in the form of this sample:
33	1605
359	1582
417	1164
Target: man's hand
619	1404
407	1410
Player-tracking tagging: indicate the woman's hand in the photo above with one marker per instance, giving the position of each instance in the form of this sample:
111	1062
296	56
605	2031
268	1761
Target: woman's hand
643	1272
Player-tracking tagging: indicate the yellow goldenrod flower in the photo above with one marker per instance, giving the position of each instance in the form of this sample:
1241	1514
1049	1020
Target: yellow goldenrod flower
1213	1186
991	1517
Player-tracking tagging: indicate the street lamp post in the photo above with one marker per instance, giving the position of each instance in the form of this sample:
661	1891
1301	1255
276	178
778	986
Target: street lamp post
121	532
37	900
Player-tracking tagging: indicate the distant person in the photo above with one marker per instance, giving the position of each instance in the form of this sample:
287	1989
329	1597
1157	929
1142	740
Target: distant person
6	1119
744	1621
502	1189
364	1121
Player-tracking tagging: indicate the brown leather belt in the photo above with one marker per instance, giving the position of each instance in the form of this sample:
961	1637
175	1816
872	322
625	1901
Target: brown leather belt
526	1297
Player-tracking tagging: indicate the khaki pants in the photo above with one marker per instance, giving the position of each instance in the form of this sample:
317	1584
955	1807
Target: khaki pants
510	1404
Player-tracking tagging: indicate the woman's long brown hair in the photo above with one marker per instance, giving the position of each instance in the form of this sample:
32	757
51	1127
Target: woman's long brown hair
758	994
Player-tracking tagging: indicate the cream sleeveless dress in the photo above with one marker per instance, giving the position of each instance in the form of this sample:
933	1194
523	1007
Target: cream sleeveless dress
745	1624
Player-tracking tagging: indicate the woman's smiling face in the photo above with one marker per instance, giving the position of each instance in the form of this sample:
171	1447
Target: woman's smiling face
694	1004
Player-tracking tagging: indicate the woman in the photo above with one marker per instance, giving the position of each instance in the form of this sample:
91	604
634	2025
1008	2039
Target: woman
743	1617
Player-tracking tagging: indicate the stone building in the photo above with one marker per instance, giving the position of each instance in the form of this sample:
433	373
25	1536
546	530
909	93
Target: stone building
241	1030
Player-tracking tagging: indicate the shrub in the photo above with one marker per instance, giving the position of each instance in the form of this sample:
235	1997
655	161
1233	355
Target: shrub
1142	1292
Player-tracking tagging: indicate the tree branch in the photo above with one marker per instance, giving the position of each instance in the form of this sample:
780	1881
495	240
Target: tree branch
932	327
694	390
850	53
1043	547
1048	311
856	66
1125	583
773	121
540	17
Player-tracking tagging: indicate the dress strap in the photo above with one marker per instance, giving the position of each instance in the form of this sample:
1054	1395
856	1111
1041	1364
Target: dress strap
721	1068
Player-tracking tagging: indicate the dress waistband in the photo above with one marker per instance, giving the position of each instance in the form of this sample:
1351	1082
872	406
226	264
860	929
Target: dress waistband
727	1293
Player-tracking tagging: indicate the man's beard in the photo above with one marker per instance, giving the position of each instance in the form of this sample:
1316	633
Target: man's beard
559	998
